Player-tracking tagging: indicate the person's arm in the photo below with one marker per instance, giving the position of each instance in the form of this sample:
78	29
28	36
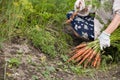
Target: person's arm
76	8
116	20
113	25
104	37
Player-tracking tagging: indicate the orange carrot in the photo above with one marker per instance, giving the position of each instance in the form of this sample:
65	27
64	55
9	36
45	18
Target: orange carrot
81	46
85	57
99	60
90	58
75	51
89	49
96	59
78	50
77	54
79	58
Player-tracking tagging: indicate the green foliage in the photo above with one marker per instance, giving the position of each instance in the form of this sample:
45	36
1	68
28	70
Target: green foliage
44	40
11	18
20	18
34	77
14	62
50	68
115	42
76	69
48	33
64	57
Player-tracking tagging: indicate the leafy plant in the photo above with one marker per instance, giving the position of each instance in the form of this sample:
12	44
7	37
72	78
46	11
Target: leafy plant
76	69
34	77
14	62
64	57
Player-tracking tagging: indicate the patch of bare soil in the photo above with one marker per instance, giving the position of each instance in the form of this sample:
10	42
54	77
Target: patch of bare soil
111	74
24	62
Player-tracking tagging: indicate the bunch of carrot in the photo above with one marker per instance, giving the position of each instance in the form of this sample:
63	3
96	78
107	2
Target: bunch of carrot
87	54
90	53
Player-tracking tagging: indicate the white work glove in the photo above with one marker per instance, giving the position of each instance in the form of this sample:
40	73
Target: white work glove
104	40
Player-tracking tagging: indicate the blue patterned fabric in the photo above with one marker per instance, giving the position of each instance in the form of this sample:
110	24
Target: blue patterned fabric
83	25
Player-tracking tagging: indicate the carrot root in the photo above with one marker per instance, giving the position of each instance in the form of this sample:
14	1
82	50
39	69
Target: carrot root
96	59
90	58
85	57
77	54
79	58
81	46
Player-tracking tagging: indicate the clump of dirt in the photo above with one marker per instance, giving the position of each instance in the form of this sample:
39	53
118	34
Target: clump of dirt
24	62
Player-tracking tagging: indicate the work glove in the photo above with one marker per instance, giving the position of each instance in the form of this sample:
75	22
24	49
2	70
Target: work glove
104	40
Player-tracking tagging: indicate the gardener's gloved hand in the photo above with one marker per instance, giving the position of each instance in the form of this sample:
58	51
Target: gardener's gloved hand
104	40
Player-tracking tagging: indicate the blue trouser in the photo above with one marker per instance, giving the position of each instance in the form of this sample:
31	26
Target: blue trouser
83	25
